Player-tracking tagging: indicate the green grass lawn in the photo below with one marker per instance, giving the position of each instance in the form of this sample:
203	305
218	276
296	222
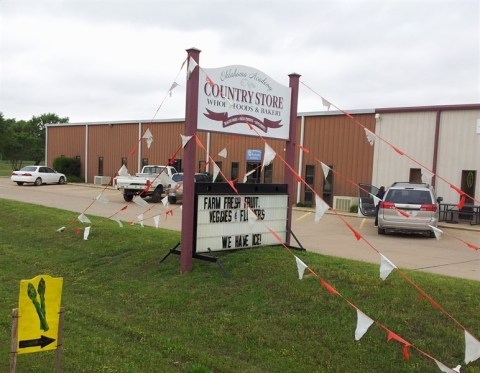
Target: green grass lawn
126	312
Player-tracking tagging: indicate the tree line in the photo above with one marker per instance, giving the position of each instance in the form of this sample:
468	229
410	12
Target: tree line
24	140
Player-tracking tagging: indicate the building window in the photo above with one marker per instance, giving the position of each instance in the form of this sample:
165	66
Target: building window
469	178
415	175
309	180
267	174
234	172
100	166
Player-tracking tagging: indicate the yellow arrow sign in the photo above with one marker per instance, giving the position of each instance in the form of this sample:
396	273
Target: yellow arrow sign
38	313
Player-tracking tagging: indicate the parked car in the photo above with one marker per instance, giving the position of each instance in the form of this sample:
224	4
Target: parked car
409	207
175	190
38	175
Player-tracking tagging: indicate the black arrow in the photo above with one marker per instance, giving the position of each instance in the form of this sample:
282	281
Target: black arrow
42	342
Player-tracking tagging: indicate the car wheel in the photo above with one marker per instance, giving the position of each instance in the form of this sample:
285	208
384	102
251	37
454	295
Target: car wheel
20	183
157	194
127	197
38	181
61	181
381	230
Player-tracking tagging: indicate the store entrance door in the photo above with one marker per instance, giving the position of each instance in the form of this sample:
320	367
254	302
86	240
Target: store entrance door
254	177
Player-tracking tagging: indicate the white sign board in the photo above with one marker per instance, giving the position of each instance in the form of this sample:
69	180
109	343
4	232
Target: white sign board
223	221
242	100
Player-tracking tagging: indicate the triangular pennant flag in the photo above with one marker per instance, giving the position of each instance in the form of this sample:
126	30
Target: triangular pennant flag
460	192
216	171
357	235
115	218
185	139
86	233
461	203
174	85
329	287
83	218
443	367
61	229
370	136
326	103
438	232
123	171
268	156
397	150
149	142
147	134
472	348
363	323
210	82
140	219
102	199
301	266
192	64
245	177
320	208
376	200
223	153
140	201
252	217
325	170
156	219
165	201
391	335
232	185
386	266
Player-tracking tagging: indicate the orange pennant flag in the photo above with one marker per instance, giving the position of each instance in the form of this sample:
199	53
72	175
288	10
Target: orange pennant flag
456	189
461	203
210	81
230	182
302	148
358	236
391	335
398	150
124	208
329	288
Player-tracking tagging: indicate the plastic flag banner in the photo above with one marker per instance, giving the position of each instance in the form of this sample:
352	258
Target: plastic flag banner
397	150
148	135
247	175
438	232
443	367
301	266
363	323
320	208
140	219
326	103
86	233
472	348
357	235
185	139
391	335
223	153
370	136
376	200
461	203
174	85
156	219
191	66
325	170
216	171
83	218
329	287
61	229
140	201
123	171
114	218
386	267
269	156
102	199
165	201
210	81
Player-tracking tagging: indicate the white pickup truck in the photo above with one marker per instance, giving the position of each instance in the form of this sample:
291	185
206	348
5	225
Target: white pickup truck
151	182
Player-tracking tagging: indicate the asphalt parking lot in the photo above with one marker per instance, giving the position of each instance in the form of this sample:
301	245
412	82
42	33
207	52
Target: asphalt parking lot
331	236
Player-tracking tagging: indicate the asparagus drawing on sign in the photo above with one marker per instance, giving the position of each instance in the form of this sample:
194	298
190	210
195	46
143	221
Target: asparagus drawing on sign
39	307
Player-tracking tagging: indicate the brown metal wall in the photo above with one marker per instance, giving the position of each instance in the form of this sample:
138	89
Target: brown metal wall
68	141
336	140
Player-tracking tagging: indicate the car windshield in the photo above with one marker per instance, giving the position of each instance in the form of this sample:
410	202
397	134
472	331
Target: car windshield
409	196
177	177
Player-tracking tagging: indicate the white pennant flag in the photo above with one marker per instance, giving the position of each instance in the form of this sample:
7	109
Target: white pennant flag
252	217
426	175
83	218
123	171
140	201
444	368
325	170
326	103
472	348
156	219
149	142
216	171
223	153
438	232
301	266
376	200
268	156
140	219
86	233
370	136
147	134
165	201
247	175
363	323
174	85
386	266
320	208
102	199
61	229
192	64
115	218
185	139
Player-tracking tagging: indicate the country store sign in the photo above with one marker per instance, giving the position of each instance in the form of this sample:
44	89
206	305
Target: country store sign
243	100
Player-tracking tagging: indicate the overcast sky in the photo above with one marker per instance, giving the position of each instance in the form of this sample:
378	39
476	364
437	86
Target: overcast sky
115	60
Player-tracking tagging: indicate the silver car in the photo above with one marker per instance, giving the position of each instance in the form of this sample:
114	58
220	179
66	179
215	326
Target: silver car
38	175
175	190
409	207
